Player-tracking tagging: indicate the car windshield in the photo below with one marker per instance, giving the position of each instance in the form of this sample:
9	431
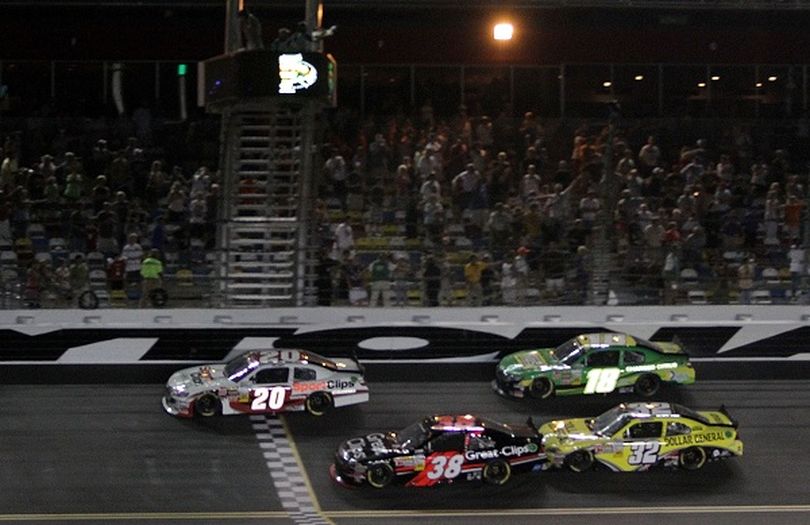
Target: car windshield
569	351
609	422
240	366
414	435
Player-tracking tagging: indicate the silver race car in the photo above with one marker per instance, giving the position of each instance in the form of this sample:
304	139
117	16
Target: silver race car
266	382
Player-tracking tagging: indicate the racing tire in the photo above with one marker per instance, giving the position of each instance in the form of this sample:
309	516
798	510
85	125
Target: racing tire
319	403
496	472
692	458
207	405
579	461
379	475
541	388
647	385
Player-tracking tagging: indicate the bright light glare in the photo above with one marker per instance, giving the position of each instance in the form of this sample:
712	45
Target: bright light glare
639	77
607	83
715	78
759	84
701	84
772	79
503	31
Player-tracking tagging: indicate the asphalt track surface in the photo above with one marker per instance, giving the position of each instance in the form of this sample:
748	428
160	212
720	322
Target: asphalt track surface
108	454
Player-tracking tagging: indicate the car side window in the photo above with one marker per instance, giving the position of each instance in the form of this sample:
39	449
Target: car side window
603	358
269	376
480	442
447	442
677	429
633	358
646	430
304	374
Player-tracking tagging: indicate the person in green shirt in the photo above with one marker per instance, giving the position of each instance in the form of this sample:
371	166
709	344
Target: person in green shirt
151	276
379	272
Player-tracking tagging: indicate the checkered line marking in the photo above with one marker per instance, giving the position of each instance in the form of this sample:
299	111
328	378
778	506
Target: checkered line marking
284	471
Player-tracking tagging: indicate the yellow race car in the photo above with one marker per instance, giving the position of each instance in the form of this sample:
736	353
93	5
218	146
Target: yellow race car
637	436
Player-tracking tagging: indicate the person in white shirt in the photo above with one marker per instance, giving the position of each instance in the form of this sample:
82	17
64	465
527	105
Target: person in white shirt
133	254
797	259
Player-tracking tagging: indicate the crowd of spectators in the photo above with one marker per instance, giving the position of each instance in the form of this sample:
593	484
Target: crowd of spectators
479	211
78	216
428	210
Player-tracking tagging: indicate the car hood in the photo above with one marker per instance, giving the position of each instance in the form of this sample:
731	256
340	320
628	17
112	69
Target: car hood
529	361
567	430
199	378
371	446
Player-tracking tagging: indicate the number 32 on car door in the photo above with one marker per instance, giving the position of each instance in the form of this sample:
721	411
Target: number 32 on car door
644	453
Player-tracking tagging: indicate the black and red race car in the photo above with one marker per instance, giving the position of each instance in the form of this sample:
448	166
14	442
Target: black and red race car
440	449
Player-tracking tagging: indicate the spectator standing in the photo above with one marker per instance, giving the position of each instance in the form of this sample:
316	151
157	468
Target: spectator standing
151	276
78	275
336	175
521	269
508	283
472	276
400	275
797	258
132	253
649	156
488	280
432	277
344	240
379	272
745	280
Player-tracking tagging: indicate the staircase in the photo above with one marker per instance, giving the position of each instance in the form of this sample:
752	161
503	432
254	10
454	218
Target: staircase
266	186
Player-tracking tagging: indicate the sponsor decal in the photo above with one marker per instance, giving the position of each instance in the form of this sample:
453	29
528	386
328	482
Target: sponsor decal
507	451
696	439
310	387
339	384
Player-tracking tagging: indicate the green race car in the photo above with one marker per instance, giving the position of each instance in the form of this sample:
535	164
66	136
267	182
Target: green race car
597	363
637	436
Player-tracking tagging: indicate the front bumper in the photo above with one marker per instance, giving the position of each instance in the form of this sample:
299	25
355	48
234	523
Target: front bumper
347	480
175	408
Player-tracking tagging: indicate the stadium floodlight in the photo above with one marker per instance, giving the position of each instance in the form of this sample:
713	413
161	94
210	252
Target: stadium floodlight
773	78
503	31
639	77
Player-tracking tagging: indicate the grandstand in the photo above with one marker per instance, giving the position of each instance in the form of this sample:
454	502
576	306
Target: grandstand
712	209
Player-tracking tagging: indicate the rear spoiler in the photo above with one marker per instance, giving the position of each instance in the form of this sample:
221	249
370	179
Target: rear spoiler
360	367
723	411
532	425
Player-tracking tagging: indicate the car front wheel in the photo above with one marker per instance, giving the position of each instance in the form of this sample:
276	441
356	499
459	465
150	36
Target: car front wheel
497	472
542	388
692	458
319	403
579	461
379	475
207	406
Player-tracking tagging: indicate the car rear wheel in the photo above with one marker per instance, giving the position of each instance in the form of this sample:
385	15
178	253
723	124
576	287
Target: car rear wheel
579	461
497	472
692	458
542	388
647	385
207	406
379	475
318	403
